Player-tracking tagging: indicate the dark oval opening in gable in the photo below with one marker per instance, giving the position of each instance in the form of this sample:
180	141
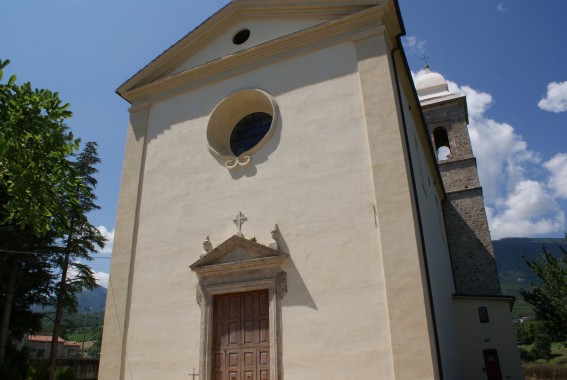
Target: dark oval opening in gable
241	37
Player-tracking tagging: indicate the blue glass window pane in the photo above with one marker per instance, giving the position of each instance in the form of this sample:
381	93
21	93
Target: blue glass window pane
249	131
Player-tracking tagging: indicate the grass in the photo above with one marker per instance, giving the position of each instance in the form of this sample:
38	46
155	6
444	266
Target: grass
559	353
536	371
79	335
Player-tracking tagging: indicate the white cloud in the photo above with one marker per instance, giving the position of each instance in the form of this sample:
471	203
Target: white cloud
517	205
413	45
557	167
72	272
502	154
501	8
109	235
102	279
528	211
556	98
477	102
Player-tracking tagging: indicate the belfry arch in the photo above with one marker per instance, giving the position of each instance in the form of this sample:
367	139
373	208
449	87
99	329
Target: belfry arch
442	145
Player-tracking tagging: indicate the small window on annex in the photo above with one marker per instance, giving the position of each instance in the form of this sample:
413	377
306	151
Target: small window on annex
442	146
483	314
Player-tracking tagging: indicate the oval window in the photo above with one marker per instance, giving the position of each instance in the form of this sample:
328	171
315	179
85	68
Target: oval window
240	125
241	37
249	131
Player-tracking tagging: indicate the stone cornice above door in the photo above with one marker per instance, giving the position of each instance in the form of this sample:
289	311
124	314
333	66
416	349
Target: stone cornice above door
238	254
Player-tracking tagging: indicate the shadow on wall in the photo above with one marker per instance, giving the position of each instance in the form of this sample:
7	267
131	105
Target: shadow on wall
297	294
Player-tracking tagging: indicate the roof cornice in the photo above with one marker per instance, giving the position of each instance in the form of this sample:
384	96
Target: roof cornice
447	100
328	33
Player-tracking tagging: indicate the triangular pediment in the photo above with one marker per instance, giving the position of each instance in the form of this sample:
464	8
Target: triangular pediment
261	31
238	253
267	20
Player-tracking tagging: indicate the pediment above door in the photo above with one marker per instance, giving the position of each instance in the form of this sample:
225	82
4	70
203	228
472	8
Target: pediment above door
238	254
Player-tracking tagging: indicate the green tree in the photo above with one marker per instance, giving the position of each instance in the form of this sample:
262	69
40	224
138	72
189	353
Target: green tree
45	194
34	278
536	334
35	147
549	295
37	185
29	283
82	238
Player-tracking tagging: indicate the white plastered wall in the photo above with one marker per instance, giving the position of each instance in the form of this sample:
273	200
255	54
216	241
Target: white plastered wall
357	300
435	240
312	178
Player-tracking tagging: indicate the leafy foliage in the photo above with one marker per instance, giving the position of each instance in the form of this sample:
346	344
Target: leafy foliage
34	278
46	192
40	372
16	366
549	295
536	340
65	373
38	187
35	146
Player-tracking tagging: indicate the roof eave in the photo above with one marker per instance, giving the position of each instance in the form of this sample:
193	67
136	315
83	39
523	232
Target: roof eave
206	31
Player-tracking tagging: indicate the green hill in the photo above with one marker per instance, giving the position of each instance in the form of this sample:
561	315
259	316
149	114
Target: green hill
92	300
514	273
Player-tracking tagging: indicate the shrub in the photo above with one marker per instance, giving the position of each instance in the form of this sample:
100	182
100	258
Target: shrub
41	372
65	373
15	366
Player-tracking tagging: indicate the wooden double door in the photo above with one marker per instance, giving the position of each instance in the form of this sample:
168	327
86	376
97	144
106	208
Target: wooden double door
241	336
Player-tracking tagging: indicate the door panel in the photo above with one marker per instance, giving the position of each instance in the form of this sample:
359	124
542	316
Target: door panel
492	365
241	344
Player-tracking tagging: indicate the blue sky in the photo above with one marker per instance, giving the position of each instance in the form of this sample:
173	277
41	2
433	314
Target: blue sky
502	54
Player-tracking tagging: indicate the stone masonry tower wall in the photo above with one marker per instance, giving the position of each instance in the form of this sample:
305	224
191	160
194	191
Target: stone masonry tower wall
472	255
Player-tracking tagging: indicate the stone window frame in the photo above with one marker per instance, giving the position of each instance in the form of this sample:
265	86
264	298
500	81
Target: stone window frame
226	115
219	275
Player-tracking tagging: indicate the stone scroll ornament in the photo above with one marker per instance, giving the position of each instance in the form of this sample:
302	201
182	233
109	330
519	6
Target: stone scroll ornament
199	296
237	161
282	284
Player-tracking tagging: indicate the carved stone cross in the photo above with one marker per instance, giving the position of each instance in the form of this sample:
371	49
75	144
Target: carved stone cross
193	374
239	221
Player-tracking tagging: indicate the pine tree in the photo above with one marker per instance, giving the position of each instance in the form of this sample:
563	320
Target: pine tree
81	240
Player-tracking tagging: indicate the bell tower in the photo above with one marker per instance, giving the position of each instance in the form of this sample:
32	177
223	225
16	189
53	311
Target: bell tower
472	254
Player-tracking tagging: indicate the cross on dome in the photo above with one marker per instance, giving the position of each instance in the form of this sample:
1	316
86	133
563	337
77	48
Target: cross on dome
424	59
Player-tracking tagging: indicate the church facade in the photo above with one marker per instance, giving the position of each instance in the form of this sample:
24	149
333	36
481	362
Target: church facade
283	213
